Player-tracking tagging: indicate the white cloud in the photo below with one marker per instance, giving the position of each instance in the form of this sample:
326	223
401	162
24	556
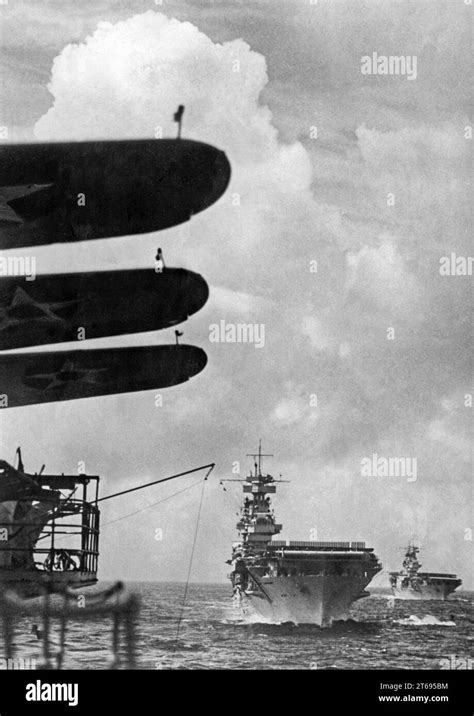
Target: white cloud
318	333
225	301
288	411
379	275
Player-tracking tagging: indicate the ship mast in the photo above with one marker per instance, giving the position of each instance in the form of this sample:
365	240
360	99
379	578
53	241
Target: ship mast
257	522
259	455
410	563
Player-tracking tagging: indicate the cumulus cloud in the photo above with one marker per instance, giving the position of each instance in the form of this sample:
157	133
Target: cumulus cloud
380	277
317	332
226	301
128	78
288	412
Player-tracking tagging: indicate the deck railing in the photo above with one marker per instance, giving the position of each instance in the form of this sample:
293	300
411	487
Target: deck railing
317	545
53	550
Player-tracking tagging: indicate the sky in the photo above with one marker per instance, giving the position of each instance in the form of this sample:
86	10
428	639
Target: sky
347	190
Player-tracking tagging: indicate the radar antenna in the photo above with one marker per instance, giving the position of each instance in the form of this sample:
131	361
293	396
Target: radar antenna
259	455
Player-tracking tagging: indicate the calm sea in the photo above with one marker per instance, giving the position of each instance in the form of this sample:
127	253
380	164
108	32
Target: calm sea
212	635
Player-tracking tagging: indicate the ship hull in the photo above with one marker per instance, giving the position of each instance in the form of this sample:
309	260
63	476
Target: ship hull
319	600
299	582
426	591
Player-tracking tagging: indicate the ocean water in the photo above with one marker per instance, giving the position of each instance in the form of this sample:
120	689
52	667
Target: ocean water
213	635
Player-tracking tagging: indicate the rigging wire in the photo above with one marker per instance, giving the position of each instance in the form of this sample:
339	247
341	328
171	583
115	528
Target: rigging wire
156	482
232	498
180	618
153	504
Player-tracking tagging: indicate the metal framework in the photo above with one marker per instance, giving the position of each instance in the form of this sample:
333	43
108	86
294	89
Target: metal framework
62	551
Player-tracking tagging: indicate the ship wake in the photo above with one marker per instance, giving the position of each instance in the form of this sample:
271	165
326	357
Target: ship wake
427	620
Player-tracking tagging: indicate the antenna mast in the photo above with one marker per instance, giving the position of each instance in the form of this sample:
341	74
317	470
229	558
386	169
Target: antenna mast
259	455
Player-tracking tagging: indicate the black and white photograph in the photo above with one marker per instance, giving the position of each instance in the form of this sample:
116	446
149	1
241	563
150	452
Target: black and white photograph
235	349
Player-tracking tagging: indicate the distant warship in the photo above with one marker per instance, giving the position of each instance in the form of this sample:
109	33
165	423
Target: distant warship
299	582
410	583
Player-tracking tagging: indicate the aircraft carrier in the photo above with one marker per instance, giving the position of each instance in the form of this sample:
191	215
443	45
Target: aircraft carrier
410	583
299	582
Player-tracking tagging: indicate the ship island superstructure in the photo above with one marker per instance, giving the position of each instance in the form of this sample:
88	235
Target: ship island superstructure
299	582
410	583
